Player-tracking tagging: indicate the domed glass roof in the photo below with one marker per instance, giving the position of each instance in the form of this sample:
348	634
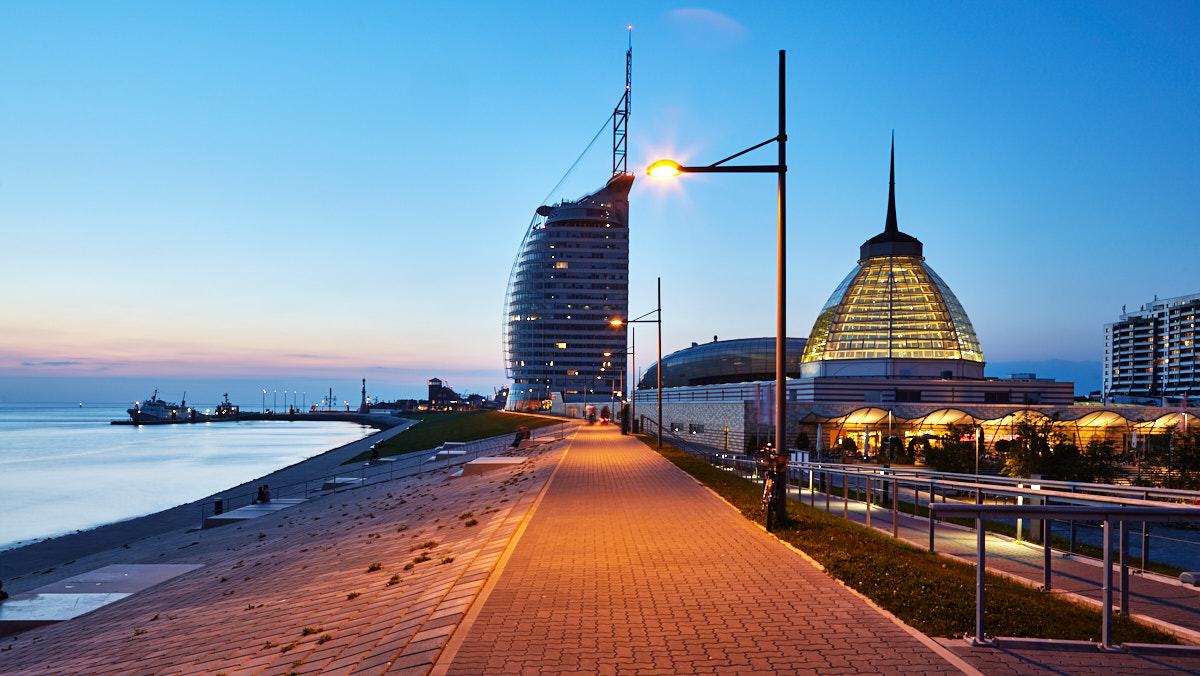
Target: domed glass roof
892	305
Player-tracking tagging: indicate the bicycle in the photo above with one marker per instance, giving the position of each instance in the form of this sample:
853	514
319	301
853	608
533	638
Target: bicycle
768	501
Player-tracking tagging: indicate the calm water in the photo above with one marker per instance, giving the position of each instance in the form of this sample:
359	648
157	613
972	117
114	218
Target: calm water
65	468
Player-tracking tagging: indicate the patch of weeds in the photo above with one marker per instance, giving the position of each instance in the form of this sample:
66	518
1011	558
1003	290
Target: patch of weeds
138	632
447	559
472	522
401	529
270	645
224	579
309	631
289	646
428	544
395	579
409	565
262	536
374	567
466	515
422	558
353	595
324	639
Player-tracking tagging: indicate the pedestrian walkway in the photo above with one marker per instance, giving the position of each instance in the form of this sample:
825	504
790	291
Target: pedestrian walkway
629	566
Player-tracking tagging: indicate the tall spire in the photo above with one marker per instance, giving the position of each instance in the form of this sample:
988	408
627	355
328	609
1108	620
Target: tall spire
891	242
890	225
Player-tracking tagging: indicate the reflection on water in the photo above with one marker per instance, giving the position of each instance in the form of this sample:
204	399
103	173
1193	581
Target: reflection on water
65	468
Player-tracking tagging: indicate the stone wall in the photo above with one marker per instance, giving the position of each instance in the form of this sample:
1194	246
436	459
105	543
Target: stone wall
718	424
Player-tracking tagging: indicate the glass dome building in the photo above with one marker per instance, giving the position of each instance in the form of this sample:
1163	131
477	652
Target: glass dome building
893	316
723	361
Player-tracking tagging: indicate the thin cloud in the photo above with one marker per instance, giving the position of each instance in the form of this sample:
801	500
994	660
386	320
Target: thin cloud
708	27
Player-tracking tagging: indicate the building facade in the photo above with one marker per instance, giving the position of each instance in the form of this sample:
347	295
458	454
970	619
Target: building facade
1151	353
570	281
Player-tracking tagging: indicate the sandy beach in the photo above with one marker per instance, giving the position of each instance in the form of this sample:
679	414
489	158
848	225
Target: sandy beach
47	561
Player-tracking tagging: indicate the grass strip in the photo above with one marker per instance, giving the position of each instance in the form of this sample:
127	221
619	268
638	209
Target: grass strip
934	594
435	428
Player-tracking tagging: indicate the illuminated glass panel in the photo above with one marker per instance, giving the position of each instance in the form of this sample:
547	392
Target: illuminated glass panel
893	307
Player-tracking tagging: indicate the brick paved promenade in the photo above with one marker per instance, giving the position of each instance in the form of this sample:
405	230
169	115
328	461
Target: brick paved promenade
602	559
629	566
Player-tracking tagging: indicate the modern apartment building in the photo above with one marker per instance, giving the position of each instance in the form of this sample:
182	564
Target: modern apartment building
1151	352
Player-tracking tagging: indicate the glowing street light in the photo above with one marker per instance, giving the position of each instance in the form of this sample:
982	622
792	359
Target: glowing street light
667	168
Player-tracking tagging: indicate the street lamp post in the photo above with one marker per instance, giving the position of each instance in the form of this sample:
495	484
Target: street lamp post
671	168
631	352
657	312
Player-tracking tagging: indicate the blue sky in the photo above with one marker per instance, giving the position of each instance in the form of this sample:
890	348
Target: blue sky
300	193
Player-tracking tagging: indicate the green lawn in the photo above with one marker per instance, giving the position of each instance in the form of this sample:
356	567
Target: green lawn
931	593
436	428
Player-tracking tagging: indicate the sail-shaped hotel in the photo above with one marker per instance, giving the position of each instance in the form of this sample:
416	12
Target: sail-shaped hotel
570	280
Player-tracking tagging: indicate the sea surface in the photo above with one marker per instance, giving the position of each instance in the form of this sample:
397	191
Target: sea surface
63	467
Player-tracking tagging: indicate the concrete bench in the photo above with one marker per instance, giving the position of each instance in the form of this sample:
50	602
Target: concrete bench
340	482
249	512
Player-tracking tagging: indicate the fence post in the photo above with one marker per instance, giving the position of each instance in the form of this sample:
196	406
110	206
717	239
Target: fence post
980	581
1145	538
1124	570
1106	581
895	506
845	495
932	521
828	488
867	502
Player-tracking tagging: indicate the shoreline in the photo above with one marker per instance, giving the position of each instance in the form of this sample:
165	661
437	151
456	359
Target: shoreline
45	561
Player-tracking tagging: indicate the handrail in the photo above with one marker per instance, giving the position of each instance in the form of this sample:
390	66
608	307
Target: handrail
1109	515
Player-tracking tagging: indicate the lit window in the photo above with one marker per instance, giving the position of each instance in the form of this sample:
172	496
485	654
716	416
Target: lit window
561	346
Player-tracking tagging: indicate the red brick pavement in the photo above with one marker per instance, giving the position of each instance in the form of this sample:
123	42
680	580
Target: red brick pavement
294	593
629	566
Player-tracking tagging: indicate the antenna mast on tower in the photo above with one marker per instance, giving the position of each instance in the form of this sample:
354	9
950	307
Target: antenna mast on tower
621	114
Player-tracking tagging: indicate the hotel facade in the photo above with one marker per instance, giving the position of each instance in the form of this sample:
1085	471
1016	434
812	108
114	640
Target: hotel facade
1151	353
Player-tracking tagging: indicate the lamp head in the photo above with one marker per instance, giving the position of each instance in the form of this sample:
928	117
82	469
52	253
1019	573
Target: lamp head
616	322
664	168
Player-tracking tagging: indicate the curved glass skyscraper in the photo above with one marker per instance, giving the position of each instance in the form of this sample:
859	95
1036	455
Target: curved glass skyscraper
570	280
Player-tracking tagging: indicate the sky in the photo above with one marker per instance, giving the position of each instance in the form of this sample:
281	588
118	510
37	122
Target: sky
229	196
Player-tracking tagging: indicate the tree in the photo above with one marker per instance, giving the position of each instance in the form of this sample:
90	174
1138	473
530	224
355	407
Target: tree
802	441
952	454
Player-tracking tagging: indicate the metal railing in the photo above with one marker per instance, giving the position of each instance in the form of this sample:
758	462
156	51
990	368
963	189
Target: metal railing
383	469
1110	515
